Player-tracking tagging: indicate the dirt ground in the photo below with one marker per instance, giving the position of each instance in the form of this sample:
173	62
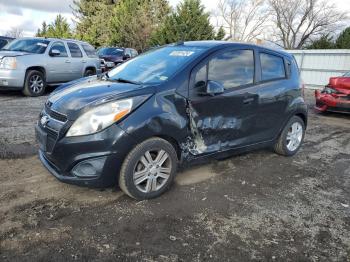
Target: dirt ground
257	206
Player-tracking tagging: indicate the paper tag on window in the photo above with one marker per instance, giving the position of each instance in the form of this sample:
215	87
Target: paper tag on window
181	53
42	44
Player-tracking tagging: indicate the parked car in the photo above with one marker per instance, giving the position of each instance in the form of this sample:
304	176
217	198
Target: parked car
4	40
335	96
174	104
29	64
113	56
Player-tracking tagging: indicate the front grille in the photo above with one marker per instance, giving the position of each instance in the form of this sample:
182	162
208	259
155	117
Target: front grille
55	115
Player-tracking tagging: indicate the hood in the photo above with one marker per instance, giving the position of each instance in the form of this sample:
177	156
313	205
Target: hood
112	58
79	96
340	82
12	53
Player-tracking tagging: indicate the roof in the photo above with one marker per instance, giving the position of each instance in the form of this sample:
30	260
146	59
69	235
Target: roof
213	44
55	39
6	37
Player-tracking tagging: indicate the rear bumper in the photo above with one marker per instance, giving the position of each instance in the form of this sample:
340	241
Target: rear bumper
11	79
327	102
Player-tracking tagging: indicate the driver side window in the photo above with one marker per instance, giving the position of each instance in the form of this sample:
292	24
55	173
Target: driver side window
233	68
60	47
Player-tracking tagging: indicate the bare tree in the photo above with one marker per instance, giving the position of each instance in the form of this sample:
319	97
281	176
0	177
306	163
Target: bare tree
296	22
243	20
15	32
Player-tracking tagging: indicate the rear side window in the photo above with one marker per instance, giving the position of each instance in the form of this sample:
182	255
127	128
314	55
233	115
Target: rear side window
75	50
272	67
89	50
232	68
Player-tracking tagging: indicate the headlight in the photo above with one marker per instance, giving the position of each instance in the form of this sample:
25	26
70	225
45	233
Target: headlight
8	63
100	117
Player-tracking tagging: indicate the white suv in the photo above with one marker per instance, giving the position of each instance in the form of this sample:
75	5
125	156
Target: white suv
29	64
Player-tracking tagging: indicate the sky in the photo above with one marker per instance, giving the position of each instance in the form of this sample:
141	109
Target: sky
29	14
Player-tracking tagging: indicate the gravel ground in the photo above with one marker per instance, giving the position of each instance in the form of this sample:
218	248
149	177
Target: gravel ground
253	207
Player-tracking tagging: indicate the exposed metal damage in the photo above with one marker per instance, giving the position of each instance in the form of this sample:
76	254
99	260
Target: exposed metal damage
196	144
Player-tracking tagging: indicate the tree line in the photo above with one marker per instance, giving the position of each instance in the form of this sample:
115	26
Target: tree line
141	24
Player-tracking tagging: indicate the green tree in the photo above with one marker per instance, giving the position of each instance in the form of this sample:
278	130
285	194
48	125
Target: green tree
134	21
188	22
93	19
42	31
324	42
343	40
220	34
58	28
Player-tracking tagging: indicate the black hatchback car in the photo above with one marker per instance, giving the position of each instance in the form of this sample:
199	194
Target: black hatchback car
171	105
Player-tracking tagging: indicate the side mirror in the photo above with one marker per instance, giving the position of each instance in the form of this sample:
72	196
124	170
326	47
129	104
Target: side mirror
55	52
126	57
212	88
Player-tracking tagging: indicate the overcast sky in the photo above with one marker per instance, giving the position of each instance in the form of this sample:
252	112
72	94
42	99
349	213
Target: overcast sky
29	14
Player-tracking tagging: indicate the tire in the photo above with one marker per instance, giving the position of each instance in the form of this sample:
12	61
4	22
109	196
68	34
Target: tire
89	72
284	145
34	83
136	180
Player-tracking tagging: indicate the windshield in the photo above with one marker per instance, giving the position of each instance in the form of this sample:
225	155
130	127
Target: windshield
347	74
35	46
110	51
157	65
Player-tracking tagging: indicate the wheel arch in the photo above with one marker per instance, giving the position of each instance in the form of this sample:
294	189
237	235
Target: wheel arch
37	68
93	68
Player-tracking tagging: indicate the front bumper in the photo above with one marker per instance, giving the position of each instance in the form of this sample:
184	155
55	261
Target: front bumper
11	79
92	160
329	102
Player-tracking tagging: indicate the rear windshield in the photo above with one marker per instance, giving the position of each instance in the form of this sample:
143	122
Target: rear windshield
110	51
89	50
35	46
157	65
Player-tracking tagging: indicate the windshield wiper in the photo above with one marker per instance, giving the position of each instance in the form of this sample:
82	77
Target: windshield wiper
122	80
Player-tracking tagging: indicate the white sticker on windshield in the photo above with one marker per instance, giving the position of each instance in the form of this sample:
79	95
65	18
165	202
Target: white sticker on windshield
181	53
163	78
42	44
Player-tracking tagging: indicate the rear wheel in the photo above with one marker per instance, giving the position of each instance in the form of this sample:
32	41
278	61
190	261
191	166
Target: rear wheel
34	83
149	169
291	137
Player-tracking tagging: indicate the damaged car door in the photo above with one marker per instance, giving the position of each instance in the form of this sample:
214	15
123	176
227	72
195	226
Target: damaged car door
223	120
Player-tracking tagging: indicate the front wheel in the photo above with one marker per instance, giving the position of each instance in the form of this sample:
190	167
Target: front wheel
149	169
34	83
291	138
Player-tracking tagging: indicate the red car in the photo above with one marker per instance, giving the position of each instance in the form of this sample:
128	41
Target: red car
335	96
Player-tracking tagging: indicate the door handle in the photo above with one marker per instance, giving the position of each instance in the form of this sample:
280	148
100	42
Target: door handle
247	101
68	61
83	61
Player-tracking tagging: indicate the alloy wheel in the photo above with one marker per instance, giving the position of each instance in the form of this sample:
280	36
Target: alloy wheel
36	84
152	171
294	136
